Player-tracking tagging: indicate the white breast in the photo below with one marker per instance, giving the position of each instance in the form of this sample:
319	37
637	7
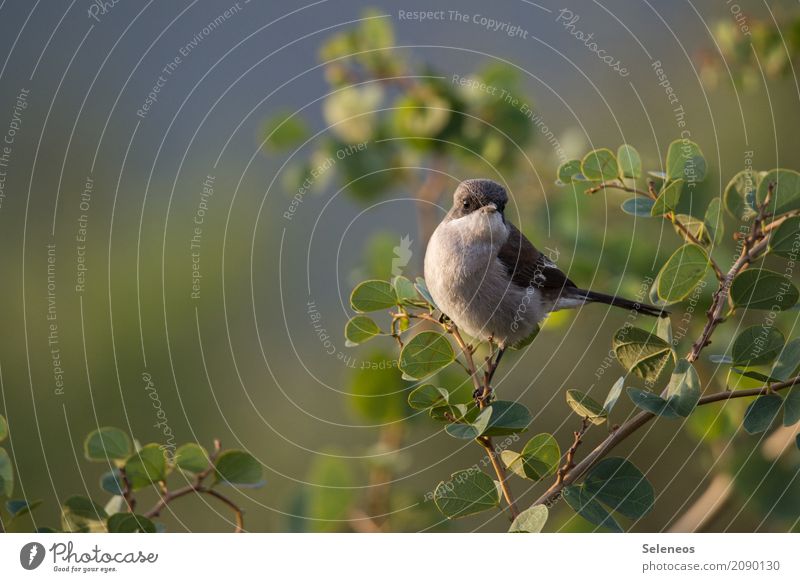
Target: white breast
470	284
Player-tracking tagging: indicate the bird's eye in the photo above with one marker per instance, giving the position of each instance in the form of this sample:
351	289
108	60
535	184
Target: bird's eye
465	203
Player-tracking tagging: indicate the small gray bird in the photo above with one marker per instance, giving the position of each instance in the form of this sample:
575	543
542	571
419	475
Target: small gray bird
490	280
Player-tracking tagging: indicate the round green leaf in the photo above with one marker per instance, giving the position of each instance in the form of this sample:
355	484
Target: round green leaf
472	430
638	206
427	396
360	329
685	161
373	295
785	241
763	289
651	402
787	362
586	407
630	163
81	514
107	443
238	468
422	289
467	492
757	345
568	170
19	507
539	458
641	352
531	520
130	523
761	413
404	289
6	474
3	429
791	407
146	467
507	418
585	505
284	131
682	272
683	390
668	199
617	483
614	393
785	190
111	482
715	225
192	457
426	353
600	165
738	192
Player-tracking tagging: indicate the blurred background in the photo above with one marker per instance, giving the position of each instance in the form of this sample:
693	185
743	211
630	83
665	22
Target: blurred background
191	189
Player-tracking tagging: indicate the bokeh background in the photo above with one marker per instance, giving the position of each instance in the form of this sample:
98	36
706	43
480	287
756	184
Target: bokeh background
257	356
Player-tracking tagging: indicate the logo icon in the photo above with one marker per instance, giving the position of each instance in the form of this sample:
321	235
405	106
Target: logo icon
31	555
402	255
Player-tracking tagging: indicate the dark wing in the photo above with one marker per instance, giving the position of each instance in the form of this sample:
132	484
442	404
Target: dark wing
527	266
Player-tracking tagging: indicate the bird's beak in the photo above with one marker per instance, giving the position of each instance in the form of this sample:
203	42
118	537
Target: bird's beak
490	208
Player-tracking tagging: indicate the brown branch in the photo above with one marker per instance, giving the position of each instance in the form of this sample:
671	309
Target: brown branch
502	478
197	486
569	458
636	423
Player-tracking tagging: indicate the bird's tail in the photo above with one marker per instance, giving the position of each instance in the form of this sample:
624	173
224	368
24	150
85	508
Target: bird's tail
595	297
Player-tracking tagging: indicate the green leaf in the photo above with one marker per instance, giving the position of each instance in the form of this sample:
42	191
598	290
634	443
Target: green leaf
107	443
539	458
192	457
715	224
791	407
685	161
238	468
531	520
360	329
630	163
761	413
373	295
6	474
467	492
586	407
788	361
613	395
683	390
638	206
757	345
641	352
668	199
568	170
664	329
785	193
439	413
427	396
3	428
404	289
111	482
426	353
600	165
19	507
763	289
81	514
130	523
422	289
473	429
739	190
507	418
682	272
785	241
696	227
617	483
146	467
755	375
651	402
584	505
284	131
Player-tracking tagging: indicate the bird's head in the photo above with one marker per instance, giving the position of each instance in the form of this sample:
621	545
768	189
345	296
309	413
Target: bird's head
477	195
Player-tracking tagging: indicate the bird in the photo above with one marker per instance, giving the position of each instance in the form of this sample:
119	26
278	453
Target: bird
490	280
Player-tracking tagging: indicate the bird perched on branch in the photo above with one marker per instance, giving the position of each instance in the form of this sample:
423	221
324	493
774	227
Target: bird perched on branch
490	280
